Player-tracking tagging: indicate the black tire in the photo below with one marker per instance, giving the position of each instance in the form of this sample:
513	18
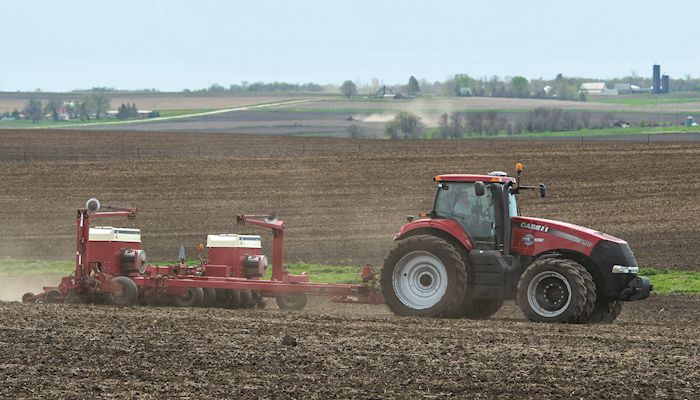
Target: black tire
234	298
480	309
29	298
292	301
591	294
424	276
199	297
127	296
209	297
222	298
606	311
552	290
53	295
246	299
192	298
259	300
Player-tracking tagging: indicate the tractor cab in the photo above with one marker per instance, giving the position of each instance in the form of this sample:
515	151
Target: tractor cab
476	203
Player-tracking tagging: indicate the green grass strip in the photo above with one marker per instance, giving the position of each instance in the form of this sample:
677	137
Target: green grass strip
665	281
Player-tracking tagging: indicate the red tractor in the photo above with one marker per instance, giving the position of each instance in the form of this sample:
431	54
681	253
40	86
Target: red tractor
474	250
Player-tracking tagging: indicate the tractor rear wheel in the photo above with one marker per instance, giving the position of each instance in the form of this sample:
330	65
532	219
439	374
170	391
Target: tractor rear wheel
552	290
424	276
606	311
193	297
126	296
292	301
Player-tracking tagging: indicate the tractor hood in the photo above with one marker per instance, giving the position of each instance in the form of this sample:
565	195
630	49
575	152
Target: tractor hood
577	237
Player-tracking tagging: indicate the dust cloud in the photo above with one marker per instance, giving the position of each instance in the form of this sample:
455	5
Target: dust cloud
378	118
12	288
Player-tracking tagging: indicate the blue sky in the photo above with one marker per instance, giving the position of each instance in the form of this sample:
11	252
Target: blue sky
172	45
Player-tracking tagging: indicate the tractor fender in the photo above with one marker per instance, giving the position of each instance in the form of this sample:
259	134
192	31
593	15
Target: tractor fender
444	228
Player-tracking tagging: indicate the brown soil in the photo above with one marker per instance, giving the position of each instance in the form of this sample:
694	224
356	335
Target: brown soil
344	351
342	199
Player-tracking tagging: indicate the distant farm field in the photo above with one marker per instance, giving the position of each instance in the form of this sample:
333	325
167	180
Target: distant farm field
332	116
159	101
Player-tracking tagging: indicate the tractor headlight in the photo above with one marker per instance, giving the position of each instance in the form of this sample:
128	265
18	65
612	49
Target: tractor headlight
623	269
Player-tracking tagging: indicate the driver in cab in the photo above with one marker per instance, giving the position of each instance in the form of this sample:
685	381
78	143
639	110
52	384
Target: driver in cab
462	205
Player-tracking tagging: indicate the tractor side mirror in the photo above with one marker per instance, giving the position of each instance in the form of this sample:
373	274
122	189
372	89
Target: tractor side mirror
479	188
543	190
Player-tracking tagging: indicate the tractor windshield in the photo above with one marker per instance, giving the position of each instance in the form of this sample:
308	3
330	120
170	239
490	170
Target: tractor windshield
458	201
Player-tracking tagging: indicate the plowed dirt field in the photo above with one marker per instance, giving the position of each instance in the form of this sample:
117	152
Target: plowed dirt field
342	199
344	351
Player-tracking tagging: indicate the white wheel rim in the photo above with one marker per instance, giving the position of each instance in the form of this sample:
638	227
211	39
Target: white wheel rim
420	280
549	294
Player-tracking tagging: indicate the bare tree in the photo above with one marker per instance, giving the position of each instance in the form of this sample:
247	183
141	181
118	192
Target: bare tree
348	89
607	119
456	125
570	121
53	106
413	87
34	110
84	109
101	104
586	119
355	131
408	123
444	126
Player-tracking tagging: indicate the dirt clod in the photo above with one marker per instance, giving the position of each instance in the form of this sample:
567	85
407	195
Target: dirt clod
289	340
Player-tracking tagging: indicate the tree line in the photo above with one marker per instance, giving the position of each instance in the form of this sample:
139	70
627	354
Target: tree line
457	125
93	106
542	119
260	87
560	87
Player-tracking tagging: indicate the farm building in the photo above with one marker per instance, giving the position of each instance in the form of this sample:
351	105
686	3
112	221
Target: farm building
627	88
596	88
592	87
623	88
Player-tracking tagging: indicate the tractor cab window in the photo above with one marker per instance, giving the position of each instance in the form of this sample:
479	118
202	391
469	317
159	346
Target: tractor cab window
512	205
458	201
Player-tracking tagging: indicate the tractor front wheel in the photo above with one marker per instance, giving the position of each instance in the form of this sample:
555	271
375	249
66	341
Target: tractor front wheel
424	276
126	296
553	290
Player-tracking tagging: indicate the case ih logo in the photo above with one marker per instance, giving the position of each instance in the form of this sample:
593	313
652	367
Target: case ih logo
534	227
